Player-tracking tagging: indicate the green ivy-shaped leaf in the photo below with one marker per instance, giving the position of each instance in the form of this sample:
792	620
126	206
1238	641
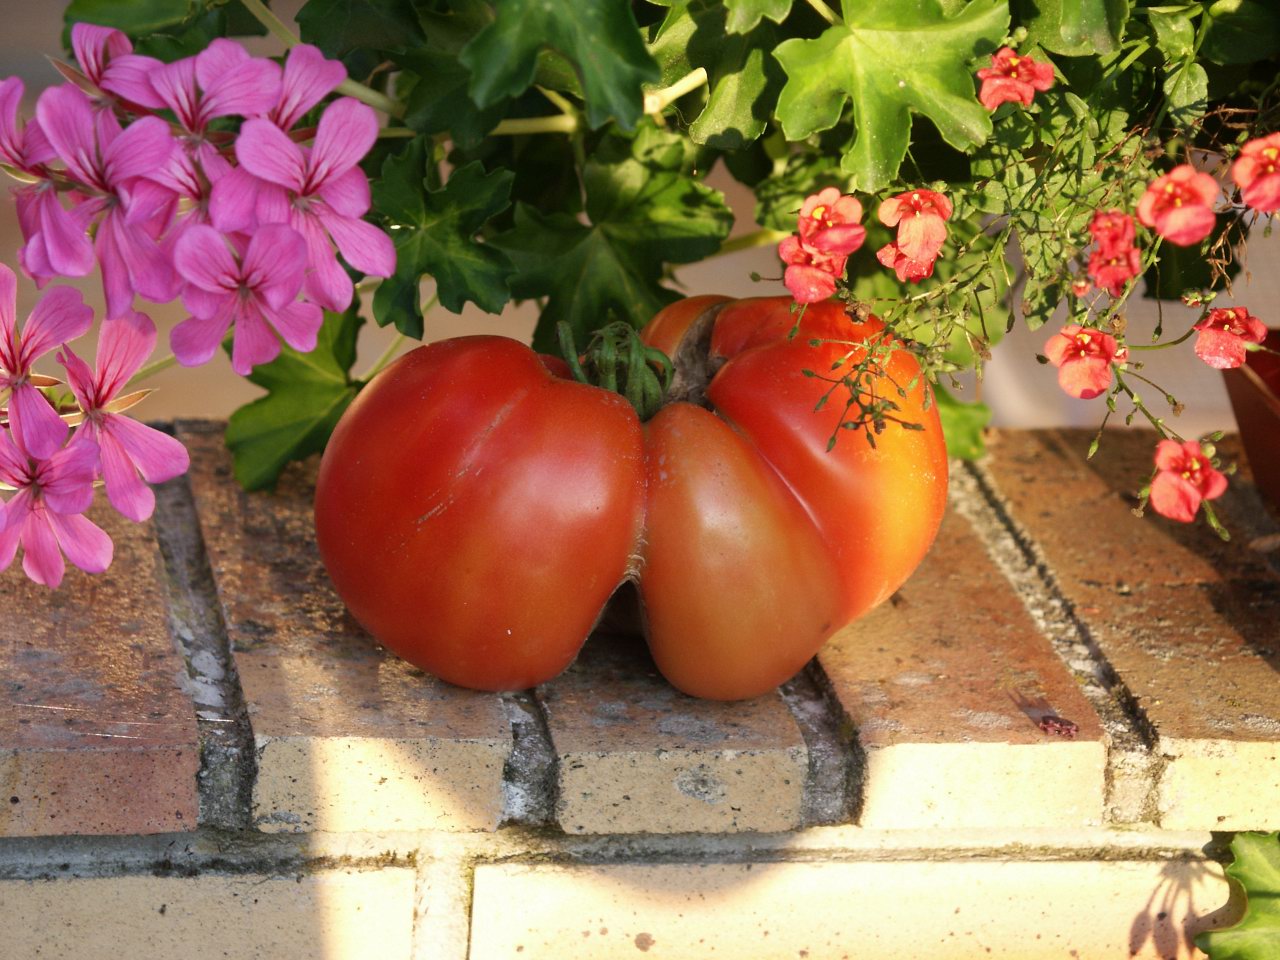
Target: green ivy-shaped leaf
1175	34
1076	28
643	212
1242	31
339	27
434	233
1187	91
1256	868
890	60
306	394
742	78
744	15
600	38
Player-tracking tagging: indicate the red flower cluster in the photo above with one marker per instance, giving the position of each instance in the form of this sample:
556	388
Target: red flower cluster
1185	477
1179	205
1115	260
1012	79
828	233
1083	358
920	217
1223	335
1257	173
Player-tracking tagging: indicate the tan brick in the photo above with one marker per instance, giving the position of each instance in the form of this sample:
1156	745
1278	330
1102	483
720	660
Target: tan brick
96	734
946	685
338	915
349	737
635	755
869	911
1188	623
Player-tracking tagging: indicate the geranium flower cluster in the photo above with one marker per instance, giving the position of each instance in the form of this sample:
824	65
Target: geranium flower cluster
187	179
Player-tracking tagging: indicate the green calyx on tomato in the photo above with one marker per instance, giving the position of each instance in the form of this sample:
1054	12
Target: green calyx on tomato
617	359
477	507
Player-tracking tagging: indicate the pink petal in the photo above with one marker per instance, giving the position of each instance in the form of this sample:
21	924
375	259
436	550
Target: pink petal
1174	497
11	91
362	245
41	558
202	258
235	83
36	426
8	305
128	494
269	154
345	133
203	304
129	78
147	268
347	194
66	478
15	466
84	542
94	46
195	340
67	246
921	236
1220	349
233	201
79	377
254	343
13	517
59	316
124	343
275	263
66	117
175	84
1186	225
327	284
297	323
308	77
1084	377
141	150
158	456
808	284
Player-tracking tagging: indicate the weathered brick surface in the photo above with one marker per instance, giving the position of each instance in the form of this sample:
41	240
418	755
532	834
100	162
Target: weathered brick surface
947	685
337	915
635	755
96	733
1190	625
348	736
871	911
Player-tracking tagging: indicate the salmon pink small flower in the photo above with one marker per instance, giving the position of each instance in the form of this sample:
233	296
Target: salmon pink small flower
810	275
905	267
920	216
45	516
1112	230
828	223
1012	79
1179	205
1224	332
1115	260
1257	173
126	447
61	315
1084	357
1185	477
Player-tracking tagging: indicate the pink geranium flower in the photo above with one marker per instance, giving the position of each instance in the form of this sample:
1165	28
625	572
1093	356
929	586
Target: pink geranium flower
127	448
1084	357
256	293
309	77
1257	173
45	516
810	275
1185	477
1224	333
112	68
1179	205
1012	79
110	165
828	223
920	216
61	315
320	192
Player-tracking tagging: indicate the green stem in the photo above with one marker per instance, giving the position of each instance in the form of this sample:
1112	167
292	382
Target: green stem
386	357
758	238
658	100
1162	346
270	21
393	133
557	123
825	12
151	369
567	121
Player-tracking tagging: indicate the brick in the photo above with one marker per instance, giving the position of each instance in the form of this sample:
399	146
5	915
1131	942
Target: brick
96	734
872	911
1188	623
635	755
338	915
349	737
946	685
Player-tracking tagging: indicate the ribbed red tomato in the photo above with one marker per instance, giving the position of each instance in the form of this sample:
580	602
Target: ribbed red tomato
476	510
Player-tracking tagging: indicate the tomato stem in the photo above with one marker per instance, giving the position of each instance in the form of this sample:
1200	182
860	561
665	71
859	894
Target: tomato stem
616	359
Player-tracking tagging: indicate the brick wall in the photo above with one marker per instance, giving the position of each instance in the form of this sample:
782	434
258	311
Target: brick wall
202	755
